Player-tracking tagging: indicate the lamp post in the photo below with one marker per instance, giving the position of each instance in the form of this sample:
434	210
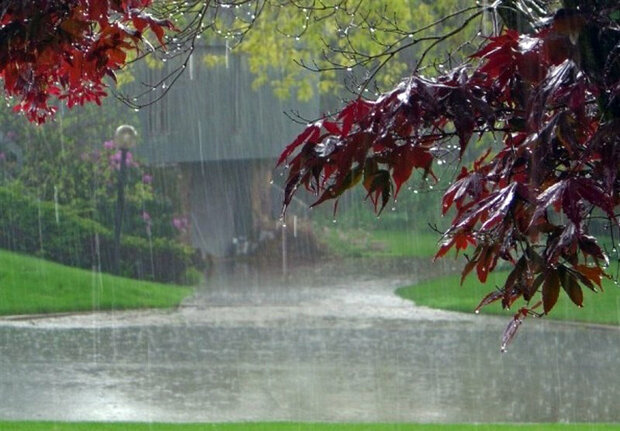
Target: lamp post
125	138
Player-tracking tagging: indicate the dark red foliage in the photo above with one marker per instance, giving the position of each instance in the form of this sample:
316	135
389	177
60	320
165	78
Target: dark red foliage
555	102
65	48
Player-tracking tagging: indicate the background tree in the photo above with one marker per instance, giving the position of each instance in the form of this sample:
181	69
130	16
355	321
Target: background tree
73	163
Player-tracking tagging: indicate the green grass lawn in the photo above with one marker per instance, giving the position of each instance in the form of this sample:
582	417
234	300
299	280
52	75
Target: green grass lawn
30	285
447	294
56	426
380	243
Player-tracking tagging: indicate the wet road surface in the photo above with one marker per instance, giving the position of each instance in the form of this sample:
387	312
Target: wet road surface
328	344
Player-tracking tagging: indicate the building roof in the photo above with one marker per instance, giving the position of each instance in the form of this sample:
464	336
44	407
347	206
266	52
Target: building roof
212	113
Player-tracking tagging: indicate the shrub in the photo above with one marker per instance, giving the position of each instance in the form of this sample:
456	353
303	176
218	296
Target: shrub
56	233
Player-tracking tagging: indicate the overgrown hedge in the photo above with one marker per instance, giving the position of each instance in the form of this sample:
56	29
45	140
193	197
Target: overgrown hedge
55	233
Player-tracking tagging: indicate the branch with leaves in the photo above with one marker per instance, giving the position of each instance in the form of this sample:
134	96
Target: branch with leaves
551	99
73	51
64	50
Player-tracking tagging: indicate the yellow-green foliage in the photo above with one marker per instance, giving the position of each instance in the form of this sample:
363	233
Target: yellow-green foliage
294	35
288	34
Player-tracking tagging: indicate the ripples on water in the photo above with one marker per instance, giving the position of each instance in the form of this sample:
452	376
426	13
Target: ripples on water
345	349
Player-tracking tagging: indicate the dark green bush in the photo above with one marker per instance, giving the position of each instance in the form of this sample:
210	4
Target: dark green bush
56	233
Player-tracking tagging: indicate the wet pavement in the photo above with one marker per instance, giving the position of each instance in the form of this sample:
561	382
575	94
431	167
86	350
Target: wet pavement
330	343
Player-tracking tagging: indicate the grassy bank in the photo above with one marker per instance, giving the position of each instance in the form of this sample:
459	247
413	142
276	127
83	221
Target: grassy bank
51	426
379	243
30	285
447	294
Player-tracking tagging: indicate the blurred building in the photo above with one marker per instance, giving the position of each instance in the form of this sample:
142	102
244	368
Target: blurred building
223	138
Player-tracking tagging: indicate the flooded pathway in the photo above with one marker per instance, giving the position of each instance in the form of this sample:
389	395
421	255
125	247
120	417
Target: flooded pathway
331	343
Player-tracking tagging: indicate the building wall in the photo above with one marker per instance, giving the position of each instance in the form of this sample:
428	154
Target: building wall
225	137
212	113
231	207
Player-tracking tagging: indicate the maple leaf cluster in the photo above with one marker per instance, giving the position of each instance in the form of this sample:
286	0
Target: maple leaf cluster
65	49
552	100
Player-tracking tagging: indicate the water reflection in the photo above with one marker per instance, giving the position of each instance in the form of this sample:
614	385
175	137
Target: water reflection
339	346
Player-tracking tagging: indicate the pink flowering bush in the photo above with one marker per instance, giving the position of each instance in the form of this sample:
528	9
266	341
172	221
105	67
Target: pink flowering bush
69	171
181	223
147	212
